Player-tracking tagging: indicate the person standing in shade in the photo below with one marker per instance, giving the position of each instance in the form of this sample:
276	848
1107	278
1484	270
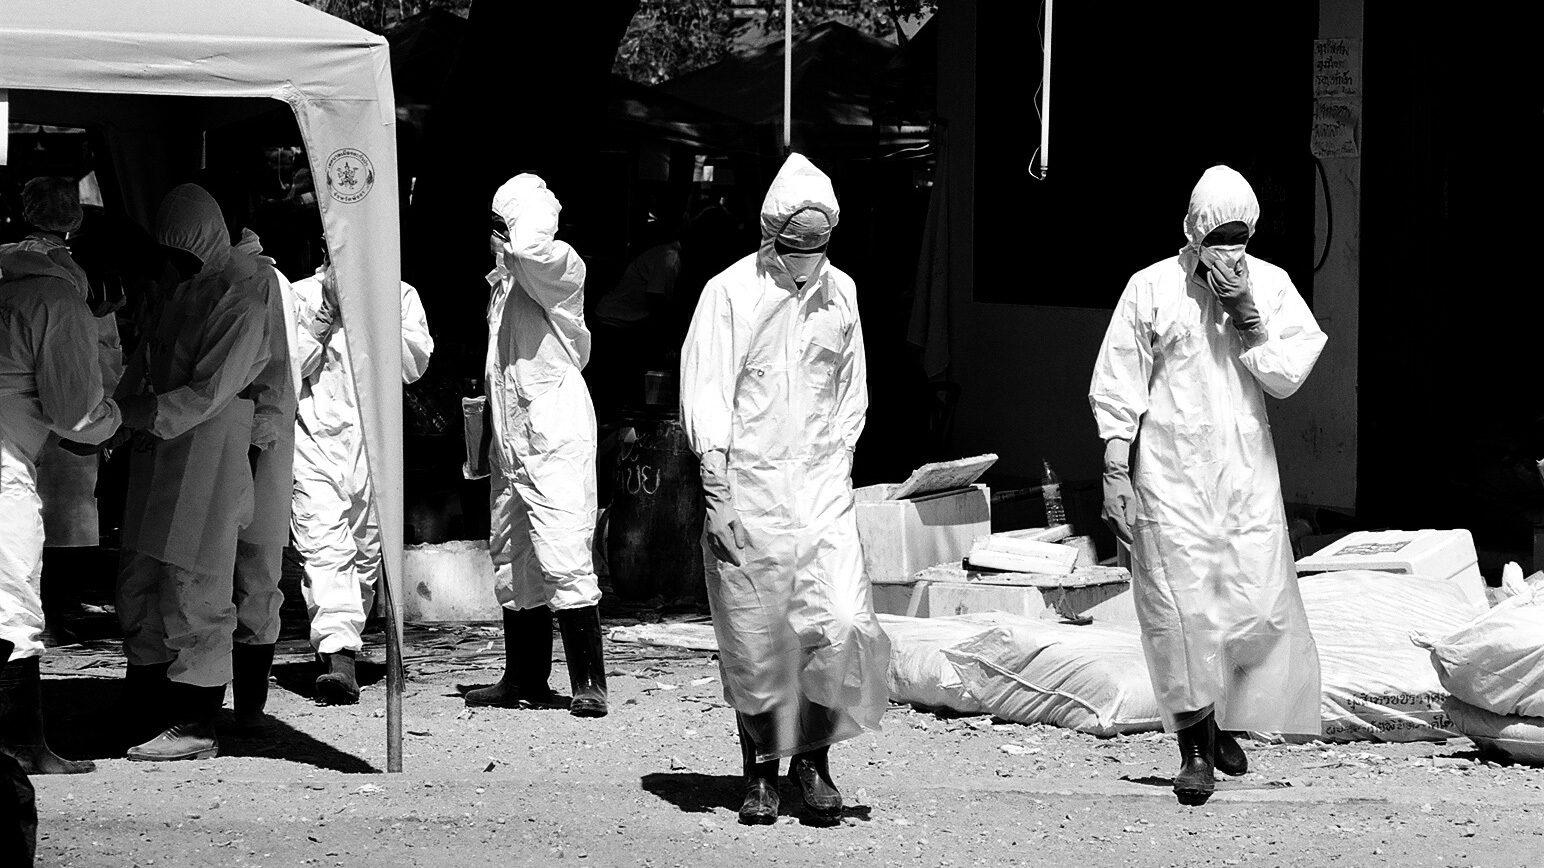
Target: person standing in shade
542	456
50	384
334	520
773	398
1190	483
190	480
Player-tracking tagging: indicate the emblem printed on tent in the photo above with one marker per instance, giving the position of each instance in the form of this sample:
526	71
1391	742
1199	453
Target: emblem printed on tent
349	175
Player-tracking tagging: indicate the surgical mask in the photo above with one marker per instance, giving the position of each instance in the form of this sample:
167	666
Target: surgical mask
1230	254
802	266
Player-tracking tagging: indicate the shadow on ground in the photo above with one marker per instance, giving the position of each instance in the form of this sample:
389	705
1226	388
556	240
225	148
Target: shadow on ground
697	793
85	719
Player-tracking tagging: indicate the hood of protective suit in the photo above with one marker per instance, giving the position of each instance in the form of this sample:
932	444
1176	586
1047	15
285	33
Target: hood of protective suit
800	209
40	257
189	219
1221	196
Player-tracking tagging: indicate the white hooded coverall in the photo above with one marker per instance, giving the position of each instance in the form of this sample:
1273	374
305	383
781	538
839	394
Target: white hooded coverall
190	485
66	481
1215	587
773	374
275	397
50	382
543	452
334	522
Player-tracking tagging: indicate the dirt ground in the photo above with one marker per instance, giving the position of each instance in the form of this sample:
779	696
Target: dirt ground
656	784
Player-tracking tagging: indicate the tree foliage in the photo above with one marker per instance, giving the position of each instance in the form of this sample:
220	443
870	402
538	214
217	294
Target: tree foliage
671	37
379	16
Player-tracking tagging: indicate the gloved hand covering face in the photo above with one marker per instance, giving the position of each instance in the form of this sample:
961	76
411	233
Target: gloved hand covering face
1227	275
1120	499
726	533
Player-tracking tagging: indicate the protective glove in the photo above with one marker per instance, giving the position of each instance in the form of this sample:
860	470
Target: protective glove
138	411
1120	499
1232	290
726	533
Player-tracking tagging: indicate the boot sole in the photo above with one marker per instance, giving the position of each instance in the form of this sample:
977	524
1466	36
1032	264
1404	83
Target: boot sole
333	693
206	753
758	819
1193	798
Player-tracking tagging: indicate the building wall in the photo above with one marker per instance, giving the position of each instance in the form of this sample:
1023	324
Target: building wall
1024	370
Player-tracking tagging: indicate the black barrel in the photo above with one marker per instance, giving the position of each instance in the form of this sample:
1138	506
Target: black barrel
654	527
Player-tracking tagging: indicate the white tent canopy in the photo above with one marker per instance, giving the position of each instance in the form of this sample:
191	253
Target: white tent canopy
155	73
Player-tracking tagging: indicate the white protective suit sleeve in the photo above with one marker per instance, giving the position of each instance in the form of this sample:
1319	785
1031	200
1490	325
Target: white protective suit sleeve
1124	370
550	271
852	399
268	391
417	344
69	376
1293	345
239	327
709	369
308	301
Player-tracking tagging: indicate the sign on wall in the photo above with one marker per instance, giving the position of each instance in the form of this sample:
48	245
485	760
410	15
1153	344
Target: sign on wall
1337	98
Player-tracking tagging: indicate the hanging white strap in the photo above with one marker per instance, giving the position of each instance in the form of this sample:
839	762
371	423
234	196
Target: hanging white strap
5	126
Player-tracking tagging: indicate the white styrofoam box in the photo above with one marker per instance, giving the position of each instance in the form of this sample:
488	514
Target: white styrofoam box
1433	554
902	537
450	581
1101	593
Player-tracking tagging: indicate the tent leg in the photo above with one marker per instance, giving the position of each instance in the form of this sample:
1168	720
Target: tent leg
394	681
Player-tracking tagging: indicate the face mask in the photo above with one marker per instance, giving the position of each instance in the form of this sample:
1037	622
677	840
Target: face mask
802	265
1230	254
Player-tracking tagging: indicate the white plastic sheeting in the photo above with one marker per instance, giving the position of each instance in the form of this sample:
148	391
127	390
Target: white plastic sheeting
1377	685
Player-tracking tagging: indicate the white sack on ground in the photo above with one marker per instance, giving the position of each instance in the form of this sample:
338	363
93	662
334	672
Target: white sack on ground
1496	661
1514	736
1091	678
1377	686
919	672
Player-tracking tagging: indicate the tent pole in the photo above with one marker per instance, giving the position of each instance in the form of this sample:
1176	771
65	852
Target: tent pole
393	683
1045	96
787	77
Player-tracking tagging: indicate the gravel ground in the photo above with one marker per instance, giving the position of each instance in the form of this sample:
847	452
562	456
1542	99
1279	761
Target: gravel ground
656	783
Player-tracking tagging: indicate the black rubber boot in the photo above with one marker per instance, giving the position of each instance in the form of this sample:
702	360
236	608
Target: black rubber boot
1195	782
191	735
527	664
338	685
810	773
1228	754
586	660
21	723
249	683
142	706
18	801
761	798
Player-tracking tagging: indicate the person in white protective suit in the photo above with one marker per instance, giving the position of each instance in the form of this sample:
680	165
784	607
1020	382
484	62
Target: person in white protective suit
190	480
542	457
335	524
50	384
1190	483
773	398
260	544
67	480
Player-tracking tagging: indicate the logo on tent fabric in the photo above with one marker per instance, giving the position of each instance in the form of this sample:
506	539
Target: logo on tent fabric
349	175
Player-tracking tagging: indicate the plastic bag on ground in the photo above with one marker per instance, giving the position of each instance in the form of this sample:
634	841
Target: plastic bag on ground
1513	736
1377	686
919	672
1496	661
1090	678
